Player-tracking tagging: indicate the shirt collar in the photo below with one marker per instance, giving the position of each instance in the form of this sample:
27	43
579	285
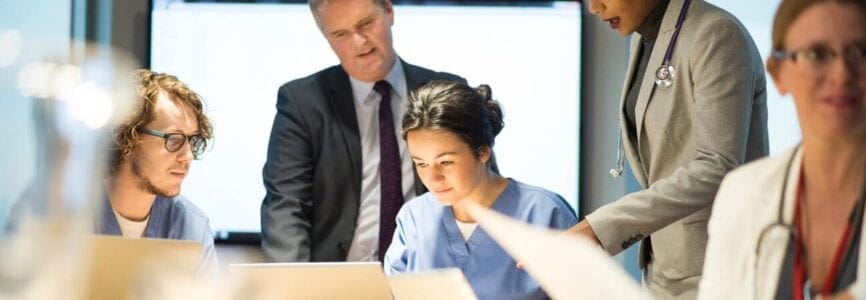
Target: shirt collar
649	30
362	89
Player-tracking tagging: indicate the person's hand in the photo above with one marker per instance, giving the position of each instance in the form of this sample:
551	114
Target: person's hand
520	265
583	229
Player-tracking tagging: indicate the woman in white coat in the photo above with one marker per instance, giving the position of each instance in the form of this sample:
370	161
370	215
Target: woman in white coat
791	226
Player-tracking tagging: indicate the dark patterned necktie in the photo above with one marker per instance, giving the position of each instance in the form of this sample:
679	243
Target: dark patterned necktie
390	184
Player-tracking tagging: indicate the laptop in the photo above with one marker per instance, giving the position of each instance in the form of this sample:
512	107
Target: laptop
327	280
433	285
117	266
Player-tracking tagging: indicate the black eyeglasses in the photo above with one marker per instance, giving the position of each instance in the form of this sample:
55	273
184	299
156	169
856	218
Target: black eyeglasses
175	140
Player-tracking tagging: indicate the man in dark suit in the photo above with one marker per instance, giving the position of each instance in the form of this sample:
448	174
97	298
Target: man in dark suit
337	169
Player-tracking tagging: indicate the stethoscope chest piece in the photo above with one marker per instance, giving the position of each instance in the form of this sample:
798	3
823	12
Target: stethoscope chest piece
664	78
665	75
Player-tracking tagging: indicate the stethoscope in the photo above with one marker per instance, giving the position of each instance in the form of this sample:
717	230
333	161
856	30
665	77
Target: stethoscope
780	221
664	78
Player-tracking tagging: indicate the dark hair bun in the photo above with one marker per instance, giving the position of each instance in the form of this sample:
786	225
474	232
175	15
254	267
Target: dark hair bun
485	92
496	122
468	112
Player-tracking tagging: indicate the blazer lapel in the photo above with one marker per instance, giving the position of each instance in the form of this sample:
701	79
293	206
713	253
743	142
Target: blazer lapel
630	146
413	81
339	93
648	85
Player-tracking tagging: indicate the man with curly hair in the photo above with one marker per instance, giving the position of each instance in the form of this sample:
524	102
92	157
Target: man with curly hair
152	152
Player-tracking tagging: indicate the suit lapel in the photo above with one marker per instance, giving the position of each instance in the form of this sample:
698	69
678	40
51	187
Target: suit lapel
339	93
656	59
413	81
630	146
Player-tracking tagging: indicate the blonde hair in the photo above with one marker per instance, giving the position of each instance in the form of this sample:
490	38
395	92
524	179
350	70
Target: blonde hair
787	13
149	85
790	10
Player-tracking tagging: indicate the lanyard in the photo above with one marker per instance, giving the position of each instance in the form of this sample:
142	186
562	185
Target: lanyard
844	244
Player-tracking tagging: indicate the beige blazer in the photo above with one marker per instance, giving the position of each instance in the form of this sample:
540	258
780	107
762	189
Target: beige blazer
747	205
690	134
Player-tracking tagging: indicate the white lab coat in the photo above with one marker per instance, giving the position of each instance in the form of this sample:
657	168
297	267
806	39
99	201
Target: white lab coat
747	204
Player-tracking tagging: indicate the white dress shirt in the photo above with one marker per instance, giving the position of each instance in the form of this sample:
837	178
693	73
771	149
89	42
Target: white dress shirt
365	242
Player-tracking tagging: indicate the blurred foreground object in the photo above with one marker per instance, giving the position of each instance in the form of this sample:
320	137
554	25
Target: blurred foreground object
75	97
566	267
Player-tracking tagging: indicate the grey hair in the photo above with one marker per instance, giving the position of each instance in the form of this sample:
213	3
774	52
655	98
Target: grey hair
315	4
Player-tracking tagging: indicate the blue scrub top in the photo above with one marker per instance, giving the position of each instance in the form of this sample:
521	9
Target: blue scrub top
427	238
170	218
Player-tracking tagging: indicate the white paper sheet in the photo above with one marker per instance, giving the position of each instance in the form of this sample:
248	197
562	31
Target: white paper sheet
566	267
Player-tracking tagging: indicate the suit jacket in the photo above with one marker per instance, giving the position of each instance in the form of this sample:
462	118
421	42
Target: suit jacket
312	176
689	135
741	263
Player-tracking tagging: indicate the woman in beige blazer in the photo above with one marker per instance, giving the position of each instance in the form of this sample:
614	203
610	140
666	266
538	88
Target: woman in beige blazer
680	136
791	226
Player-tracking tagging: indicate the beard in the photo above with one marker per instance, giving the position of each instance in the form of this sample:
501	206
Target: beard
146	184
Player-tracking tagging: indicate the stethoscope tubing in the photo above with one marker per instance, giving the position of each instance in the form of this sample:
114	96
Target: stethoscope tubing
620	157
789	228
680	20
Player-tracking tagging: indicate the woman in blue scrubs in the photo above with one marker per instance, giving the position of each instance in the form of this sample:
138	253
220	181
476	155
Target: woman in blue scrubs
450	130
